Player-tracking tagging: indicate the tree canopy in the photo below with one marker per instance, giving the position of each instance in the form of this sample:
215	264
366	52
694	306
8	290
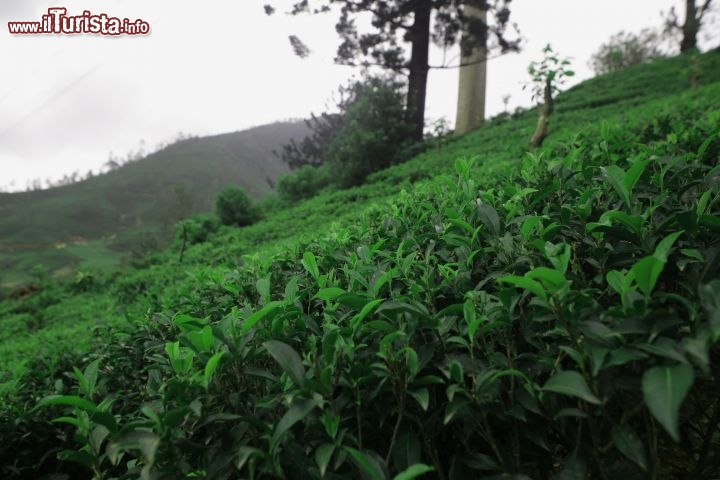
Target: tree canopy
397	24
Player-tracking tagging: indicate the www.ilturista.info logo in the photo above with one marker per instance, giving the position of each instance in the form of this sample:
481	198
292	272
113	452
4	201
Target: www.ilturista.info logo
58	22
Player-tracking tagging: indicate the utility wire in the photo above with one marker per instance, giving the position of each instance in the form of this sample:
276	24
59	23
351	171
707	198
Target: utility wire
51	99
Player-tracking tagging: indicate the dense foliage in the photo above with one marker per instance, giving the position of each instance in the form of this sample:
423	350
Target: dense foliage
373	135
234	207
311	150
546	315
198	228
369	134
304	182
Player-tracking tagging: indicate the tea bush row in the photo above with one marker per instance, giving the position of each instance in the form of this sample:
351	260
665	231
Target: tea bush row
563	321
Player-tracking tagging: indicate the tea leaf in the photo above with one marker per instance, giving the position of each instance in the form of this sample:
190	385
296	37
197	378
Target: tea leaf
369	466
407	450
706	144
331	422
262	285
422	396
146	442
210	367
310	264
83	458
253	319
559	256
469	312
288	359
489	217
633	174
413	471
569	382
323	455
630	445
646	272
297	411
663	248
244	454
616	177
455	406
366	310
710	300
528	284
664	389
618	281
328	345
551	277
329	293
202	340
69	400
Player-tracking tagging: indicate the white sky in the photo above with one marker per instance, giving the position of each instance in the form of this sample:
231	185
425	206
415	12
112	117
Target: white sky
223	65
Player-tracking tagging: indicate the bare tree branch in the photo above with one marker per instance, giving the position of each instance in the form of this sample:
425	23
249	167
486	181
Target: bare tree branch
704	9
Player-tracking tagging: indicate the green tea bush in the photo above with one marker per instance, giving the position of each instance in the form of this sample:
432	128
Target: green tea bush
542	316
305	182
561	320
234	207
30	444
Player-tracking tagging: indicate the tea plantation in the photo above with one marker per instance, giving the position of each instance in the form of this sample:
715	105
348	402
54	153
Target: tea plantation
479	312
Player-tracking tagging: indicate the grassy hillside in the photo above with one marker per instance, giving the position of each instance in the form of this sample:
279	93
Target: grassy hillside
107	216
476	312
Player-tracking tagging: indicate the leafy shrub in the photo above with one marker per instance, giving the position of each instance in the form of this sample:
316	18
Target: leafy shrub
373	135
234	207
313	149
25	434
625	49
304	182
368	134
84	281
197	229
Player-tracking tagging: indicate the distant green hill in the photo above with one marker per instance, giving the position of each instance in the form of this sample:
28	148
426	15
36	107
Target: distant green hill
91	223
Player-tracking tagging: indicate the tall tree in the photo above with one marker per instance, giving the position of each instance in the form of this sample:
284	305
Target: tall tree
694	14
472	78
396	23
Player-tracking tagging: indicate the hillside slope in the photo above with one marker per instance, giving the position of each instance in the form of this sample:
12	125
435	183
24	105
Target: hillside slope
149	195
478	312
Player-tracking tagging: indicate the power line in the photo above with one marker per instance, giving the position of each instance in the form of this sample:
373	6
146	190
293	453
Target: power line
50	100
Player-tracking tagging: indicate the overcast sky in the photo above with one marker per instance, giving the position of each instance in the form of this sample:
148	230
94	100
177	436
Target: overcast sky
220	66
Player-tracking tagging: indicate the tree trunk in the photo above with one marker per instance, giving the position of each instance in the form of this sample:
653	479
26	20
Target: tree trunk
690	27
417	82
472	80
543	126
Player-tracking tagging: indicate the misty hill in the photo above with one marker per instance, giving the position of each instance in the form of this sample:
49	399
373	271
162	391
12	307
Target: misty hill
143	197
